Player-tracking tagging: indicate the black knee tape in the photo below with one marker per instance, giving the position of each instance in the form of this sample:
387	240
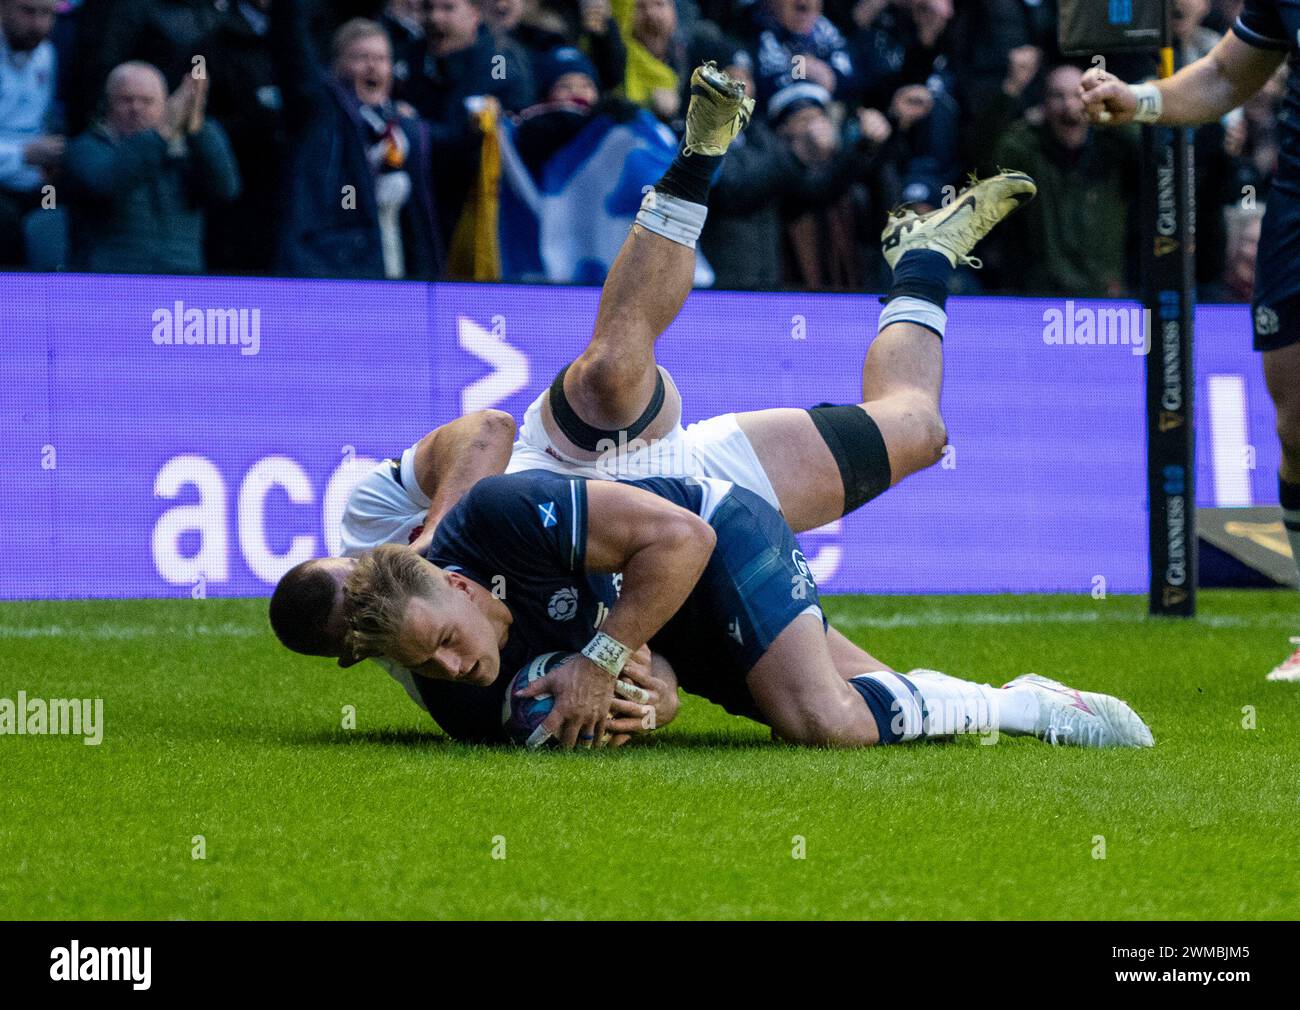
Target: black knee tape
584	435
855	441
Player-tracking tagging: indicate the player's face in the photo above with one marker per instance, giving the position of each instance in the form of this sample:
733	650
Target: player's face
448	638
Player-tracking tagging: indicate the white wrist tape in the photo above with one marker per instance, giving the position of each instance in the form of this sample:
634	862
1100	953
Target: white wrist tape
672	217
1150	103
607	653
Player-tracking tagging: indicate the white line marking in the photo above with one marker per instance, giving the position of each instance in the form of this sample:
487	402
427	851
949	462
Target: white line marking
925	619
939	618
127	632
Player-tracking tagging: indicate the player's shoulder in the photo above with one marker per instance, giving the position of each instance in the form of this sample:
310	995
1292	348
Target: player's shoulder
1261	23
508	490
675	489
532	509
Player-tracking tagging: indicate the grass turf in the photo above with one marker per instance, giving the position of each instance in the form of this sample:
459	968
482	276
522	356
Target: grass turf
212	730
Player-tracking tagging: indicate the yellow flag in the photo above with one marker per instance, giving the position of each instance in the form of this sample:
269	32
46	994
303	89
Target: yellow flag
475	245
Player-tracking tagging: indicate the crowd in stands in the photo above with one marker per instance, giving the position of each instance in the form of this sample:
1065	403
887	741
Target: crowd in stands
341	138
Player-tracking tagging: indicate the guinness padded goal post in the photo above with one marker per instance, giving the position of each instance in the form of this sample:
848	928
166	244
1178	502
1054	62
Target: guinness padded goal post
1168	235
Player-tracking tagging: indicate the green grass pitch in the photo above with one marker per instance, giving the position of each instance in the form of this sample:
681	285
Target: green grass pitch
211	730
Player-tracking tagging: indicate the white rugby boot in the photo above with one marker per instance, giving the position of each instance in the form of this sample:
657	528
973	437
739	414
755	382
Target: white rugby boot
1289	668
1070	718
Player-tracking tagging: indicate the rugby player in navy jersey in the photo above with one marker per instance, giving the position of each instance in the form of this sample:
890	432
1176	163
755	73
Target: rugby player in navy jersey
1264	34
712	580
812	465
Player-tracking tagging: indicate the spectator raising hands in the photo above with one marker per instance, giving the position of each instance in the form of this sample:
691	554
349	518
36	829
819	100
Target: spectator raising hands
140	182
358	142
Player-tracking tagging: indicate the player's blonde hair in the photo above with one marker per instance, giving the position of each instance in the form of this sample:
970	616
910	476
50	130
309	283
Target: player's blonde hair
377	592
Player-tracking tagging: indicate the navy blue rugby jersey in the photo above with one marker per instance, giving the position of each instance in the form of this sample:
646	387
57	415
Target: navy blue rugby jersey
1275	25
522	536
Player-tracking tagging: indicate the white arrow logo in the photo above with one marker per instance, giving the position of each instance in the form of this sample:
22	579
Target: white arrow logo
826	562
509	366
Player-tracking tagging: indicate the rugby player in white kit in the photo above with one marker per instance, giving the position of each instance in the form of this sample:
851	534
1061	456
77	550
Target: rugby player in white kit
614	413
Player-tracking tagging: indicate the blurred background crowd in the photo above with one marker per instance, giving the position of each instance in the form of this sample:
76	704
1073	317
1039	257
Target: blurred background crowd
345	138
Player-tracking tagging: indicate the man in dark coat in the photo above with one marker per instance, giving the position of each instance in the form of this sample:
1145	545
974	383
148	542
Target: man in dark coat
462	59
359	188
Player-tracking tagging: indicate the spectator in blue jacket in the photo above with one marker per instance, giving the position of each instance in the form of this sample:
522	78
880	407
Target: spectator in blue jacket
139	183
359	199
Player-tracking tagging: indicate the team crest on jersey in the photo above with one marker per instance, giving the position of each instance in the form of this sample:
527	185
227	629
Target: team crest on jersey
563	605
547	512
801	583
1266	323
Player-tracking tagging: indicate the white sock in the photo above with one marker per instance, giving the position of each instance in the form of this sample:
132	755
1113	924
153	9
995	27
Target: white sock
672	217
929	704
910	309
1013	711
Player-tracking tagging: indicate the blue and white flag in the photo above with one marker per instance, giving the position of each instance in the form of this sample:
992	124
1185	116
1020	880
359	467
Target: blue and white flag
567	224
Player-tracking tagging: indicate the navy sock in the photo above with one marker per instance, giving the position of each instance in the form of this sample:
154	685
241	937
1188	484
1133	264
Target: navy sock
690	177
883	706
924	274
1288	494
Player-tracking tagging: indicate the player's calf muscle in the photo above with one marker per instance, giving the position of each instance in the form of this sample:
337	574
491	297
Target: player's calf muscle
803	698
840	721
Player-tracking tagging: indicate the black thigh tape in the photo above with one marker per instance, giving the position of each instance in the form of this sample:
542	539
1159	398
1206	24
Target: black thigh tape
583	435
855	441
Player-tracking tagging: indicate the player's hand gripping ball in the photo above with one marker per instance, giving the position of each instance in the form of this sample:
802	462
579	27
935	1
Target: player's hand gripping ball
521	716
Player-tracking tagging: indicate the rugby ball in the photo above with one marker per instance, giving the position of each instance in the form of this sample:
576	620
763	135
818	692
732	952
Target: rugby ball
520	716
